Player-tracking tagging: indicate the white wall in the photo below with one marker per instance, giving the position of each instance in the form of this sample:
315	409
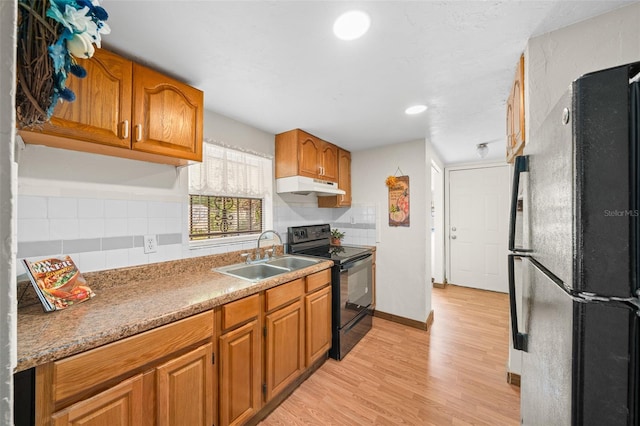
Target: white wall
8	192
403	259
555	59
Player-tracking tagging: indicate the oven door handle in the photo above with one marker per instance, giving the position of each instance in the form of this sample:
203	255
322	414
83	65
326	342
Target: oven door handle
356	262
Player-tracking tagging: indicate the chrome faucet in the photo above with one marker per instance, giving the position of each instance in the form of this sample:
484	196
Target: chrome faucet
268	253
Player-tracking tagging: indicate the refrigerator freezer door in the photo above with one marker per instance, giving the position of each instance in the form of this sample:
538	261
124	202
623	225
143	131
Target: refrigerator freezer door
546	367
604	209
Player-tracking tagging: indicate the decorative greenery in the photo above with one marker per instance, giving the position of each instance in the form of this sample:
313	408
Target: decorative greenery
335	233
51	35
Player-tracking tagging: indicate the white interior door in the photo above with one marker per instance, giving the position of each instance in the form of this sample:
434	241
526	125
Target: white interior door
478	227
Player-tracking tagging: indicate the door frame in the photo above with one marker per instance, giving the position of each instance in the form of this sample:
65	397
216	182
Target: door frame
447	208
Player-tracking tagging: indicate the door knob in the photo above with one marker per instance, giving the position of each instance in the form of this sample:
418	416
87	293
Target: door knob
453	237
453	228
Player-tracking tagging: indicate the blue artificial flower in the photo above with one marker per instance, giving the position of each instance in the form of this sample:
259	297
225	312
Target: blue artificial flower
67	95
58	52
78	71
100	13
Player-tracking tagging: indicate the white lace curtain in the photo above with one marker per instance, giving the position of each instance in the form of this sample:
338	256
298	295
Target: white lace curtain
231	172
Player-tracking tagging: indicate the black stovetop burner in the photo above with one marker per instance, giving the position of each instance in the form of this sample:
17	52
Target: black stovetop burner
313	240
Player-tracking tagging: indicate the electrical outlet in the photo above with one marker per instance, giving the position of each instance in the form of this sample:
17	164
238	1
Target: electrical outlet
150	244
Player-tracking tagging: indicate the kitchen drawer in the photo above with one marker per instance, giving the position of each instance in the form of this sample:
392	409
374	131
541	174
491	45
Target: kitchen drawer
83	371
283	294
318	280
240	311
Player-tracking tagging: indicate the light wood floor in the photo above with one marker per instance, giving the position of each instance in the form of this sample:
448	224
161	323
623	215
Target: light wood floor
455	374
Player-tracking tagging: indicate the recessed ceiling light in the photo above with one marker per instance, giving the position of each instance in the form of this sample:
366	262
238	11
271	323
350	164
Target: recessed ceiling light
351	25
416	109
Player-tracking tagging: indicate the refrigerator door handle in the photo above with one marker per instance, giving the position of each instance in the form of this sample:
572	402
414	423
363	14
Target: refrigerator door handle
521	165
519	339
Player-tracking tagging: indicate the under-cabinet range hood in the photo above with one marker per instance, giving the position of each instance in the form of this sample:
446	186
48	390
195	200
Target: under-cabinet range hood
306	185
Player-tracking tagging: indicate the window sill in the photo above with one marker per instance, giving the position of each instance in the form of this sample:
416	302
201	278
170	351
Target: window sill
221	242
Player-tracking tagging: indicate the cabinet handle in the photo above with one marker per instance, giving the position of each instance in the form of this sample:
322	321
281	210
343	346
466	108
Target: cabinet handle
125	129
138	132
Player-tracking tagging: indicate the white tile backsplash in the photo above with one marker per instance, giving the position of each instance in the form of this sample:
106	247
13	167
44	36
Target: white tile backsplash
174	225
62	207
136	209
156	225
137	226
115	208
116	258
92	261
90	208
115	227
32	207
61	229
91	228
33	229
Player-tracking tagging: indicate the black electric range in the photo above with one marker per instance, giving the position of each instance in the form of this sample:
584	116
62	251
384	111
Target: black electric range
351	283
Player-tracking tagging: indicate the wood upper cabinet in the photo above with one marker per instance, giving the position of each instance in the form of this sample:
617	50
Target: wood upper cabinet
515	115
184	389
284	352
299	153
318	316
120	104
240	361
102	109
121	405
167	115
344	183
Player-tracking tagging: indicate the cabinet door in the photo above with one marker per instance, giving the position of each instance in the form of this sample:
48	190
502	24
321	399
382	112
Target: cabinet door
167	115
285	347
309	151
329	162
102	109
344	183
318	324
185	389
344	177
119	406
240	374
515	115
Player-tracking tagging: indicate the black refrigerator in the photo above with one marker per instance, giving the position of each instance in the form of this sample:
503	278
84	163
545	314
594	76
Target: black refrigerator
574	229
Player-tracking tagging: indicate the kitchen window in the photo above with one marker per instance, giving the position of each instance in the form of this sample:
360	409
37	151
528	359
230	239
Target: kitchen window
215	217
230	194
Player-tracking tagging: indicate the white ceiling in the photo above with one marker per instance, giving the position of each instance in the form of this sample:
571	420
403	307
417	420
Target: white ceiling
277	65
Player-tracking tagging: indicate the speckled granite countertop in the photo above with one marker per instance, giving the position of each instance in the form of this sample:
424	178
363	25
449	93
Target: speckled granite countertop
133	300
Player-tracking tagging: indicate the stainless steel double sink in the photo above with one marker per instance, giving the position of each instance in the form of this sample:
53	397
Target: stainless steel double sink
268	269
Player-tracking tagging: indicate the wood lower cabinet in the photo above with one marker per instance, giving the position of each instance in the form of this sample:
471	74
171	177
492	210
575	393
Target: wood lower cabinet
318	324
264	345
119	406
240	362
284	336
159	377
284	347
184	389
127	110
